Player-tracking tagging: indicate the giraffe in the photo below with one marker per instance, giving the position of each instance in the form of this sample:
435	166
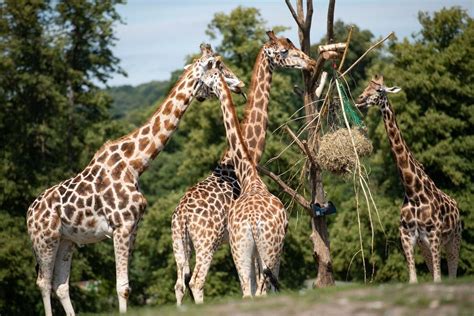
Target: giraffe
428	217
200	219
104	200
257	219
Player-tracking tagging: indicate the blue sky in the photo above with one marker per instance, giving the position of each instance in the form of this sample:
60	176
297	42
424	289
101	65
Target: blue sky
157	35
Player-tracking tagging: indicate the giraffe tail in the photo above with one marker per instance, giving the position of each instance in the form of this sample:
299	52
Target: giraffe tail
186	271
260	248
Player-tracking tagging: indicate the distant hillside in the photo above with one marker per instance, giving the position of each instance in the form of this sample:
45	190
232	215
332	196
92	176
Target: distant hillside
129	98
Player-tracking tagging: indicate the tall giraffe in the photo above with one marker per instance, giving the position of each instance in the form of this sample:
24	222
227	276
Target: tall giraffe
257	219
428	216
200	219
104	200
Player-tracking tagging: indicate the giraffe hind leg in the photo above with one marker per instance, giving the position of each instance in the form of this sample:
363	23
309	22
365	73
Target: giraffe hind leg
435	255
182	254
62	268
426	253
242	251
201	268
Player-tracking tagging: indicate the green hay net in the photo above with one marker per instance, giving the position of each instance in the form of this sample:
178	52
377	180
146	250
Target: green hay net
351	114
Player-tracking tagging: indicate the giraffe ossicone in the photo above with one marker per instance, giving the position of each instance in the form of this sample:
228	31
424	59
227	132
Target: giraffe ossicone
428	217
104	199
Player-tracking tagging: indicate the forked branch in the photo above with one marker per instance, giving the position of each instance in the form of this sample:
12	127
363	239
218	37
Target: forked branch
287	189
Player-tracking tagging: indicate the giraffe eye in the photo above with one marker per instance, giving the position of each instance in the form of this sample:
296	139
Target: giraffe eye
284	51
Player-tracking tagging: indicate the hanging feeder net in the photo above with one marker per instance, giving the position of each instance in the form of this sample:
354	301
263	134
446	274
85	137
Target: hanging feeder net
336	147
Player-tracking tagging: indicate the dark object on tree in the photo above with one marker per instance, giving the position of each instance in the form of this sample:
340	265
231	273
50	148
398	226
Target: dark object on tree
327	209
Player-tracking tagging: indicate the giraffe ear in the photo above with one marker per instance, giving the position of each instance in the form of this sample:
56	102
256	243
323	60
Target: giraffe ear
378	79
393	89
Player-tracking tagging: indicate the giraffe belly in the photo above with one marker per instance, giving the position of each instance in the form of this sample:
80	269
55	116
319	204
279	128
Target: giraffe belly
93	231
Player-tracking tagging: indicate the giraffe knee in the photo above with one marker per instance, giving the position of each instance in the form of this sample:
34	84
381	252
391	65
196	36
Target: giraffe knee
62	291
178	287
124	291
44	285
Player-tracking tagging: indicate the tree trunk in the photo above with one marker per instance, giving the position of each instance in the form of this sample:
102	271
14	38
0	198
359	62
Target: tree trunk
319	235
319	230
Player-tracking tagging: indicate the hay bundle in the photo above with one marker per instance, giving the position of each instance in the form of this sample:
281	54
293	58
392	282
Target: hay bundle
336	152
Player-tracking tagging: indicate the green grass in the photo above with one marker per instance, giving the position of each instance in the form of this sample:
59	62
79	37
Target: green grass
452	297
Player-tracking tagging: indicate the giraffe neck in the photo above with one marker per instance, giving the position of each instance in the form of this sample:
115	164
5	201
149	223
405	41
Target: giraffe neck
244	166
410	170
255	121
146	142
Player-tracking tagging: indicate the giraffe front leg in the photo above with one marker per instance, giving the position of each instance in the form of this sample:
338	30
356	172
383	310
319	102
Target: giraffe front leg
122	249
408	242
435	255
62	268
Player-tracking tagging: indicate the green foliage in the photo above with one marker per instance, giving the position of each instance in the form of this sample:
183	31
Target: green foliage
17	277
127	98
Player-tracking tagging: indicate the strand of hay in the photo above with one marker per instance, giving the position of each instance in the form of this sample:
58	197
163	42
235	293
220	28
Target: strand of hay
336	153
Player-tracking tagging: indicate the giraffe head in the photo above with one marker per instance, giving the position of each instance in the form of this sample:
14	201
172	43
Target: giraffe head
218	66
374	92
212	80
282	53
210	60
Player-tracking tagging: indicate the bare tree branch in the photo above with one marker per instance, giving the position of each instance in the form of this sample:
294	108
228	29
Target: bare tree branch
309	14
330	22
287	189
295	16
317	71
295	139
366	52
346	49
303	145
310	154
